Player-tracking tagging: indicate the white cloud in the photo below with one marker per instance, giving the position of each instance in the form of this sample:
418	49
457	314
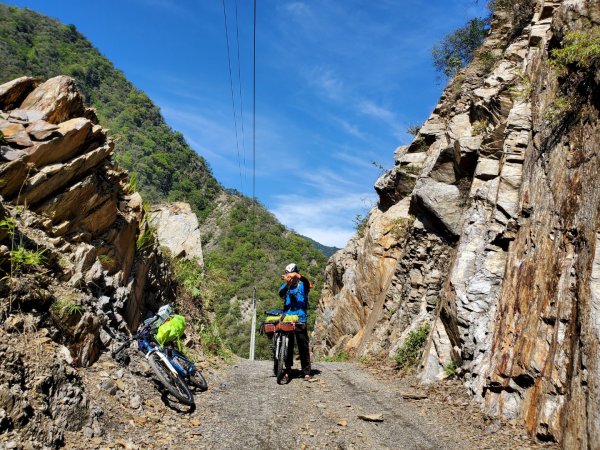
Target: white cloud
351	129
327	220
331	237
371	109
326	81
360	162
299	10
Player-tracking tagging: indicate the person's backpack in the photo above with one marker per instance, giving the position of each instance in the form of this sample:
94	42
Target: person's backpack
171	331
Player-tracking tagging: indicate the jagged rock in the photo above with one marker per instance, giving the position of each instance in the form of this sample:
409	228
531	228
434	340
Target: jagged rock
506	218
14	133
177	229
73	134
393	185
54	177
445	167
70	203
441	203
412	159
56	100
13	92
41	130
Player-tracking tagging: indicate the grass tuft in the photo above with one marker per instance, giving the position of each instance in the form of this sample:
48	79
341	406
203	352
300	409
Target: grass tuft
410	350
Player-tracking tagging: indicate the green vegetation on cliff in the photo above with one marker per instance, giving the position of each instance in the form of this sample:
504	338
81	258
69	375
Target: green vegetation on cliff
239	252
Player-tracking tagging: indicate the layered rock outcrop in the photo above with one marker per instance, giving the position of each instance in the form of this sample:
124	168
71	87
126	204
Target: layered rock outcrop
487	228
78	261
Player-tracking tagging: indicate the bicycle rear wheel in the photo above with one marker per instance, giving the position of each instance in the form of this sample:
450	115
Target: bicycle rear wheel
171	381
198	380
194	376
282	349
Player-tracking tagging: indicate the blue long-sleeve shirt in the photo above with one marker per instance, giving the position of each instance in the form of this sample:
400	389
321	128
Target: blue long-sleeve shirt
296	298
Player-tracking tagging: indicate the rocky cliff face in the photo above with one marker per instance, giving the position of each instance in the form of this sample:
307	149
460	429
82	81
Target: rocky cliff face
79	263
487	228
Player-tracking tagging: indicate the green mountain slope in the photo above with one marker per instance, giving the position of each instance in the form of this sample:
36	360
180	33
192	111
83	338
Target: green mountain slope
167	169
326	250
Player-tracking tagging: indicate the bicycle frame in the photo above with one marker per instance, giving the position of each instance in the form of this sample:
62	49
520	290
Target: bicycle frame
148	347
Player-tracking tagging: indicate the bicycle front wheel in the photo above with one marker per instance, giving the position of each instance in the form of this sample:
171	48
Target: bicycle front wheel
282	349
171	381
274	352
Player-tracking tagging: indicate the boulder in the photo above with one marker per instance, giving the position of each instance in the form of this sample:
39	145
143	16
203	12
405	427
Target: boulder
178	230
392	186
441	203
56	100
13	92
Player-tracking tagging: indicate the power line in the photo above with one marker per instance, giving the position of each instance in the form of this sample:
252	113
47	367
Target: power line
254	112
237	35
237	145
253	329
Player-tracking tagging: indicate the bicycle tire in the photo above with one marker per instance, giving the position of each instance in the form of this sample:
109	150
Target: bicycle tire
273	349
283	348
194	376
198	380
172	382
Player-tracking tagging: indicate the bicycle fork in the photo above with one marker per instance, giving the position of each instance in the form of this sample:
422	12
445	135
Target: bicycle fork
162	356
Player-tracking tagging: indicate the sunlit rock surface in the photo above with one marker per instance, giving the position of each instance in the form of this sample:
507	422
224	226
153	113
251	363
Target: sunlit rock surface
488	229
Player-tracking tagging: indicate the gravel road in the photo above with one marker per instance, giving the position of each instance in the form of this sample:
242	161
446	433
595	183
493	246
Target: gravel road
244	408
318	414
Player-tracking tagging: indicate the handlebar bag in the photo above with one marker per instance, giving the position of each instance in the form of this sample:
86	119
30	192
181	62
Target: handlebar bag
171	330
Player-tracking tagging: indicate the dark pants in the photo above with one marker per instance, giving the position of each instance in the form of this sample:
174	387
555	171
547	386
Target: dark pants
301	337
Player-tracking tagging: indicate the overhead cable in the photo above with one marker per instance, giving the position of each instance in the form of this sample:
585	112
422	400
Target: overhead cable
233	98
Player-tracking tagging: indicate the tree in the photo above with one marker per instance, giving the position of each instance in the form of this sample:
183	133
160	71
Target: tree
456	49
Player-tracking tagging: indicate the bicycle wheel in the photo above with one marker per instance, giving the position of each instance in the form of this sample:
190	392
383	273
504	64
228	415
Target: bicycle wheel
282	353
172	382
273	351
194	376
198	380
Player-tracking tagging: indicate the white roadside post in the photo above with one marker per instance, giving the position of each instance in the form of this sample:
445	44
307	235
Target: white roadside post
253	329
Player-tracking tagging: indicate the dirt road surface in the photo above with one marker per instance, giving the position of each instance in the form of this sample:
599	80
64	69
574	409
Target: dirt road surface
244	408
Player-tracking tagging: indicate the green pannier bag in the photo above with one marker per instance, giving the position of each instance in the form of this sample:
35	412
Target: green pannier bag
271	319
171	330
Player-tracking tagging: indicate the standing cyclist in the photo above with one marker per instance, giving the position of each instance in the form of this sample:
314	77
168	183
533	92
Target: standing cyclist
295	291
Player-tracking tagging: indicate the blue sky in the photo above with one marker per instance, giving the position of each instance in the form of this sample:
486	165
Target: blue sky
338	84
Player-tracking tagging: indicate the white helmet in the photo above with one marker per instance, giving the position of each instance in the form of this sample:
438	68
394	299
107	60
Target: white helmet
291	268
164	312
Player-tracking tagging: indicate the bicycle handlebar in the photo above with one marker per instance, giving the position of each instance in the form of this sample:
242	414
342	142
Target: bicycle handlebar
125	344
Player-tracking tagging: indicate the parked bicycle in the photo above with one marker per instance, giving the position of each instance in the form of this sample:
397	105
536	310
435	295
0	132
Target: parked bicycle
276	327
173	369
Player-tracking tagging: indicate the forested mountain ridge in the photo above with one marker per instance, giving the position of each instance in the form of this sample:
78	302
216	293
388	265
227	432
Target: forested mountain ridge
241	252
165	166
